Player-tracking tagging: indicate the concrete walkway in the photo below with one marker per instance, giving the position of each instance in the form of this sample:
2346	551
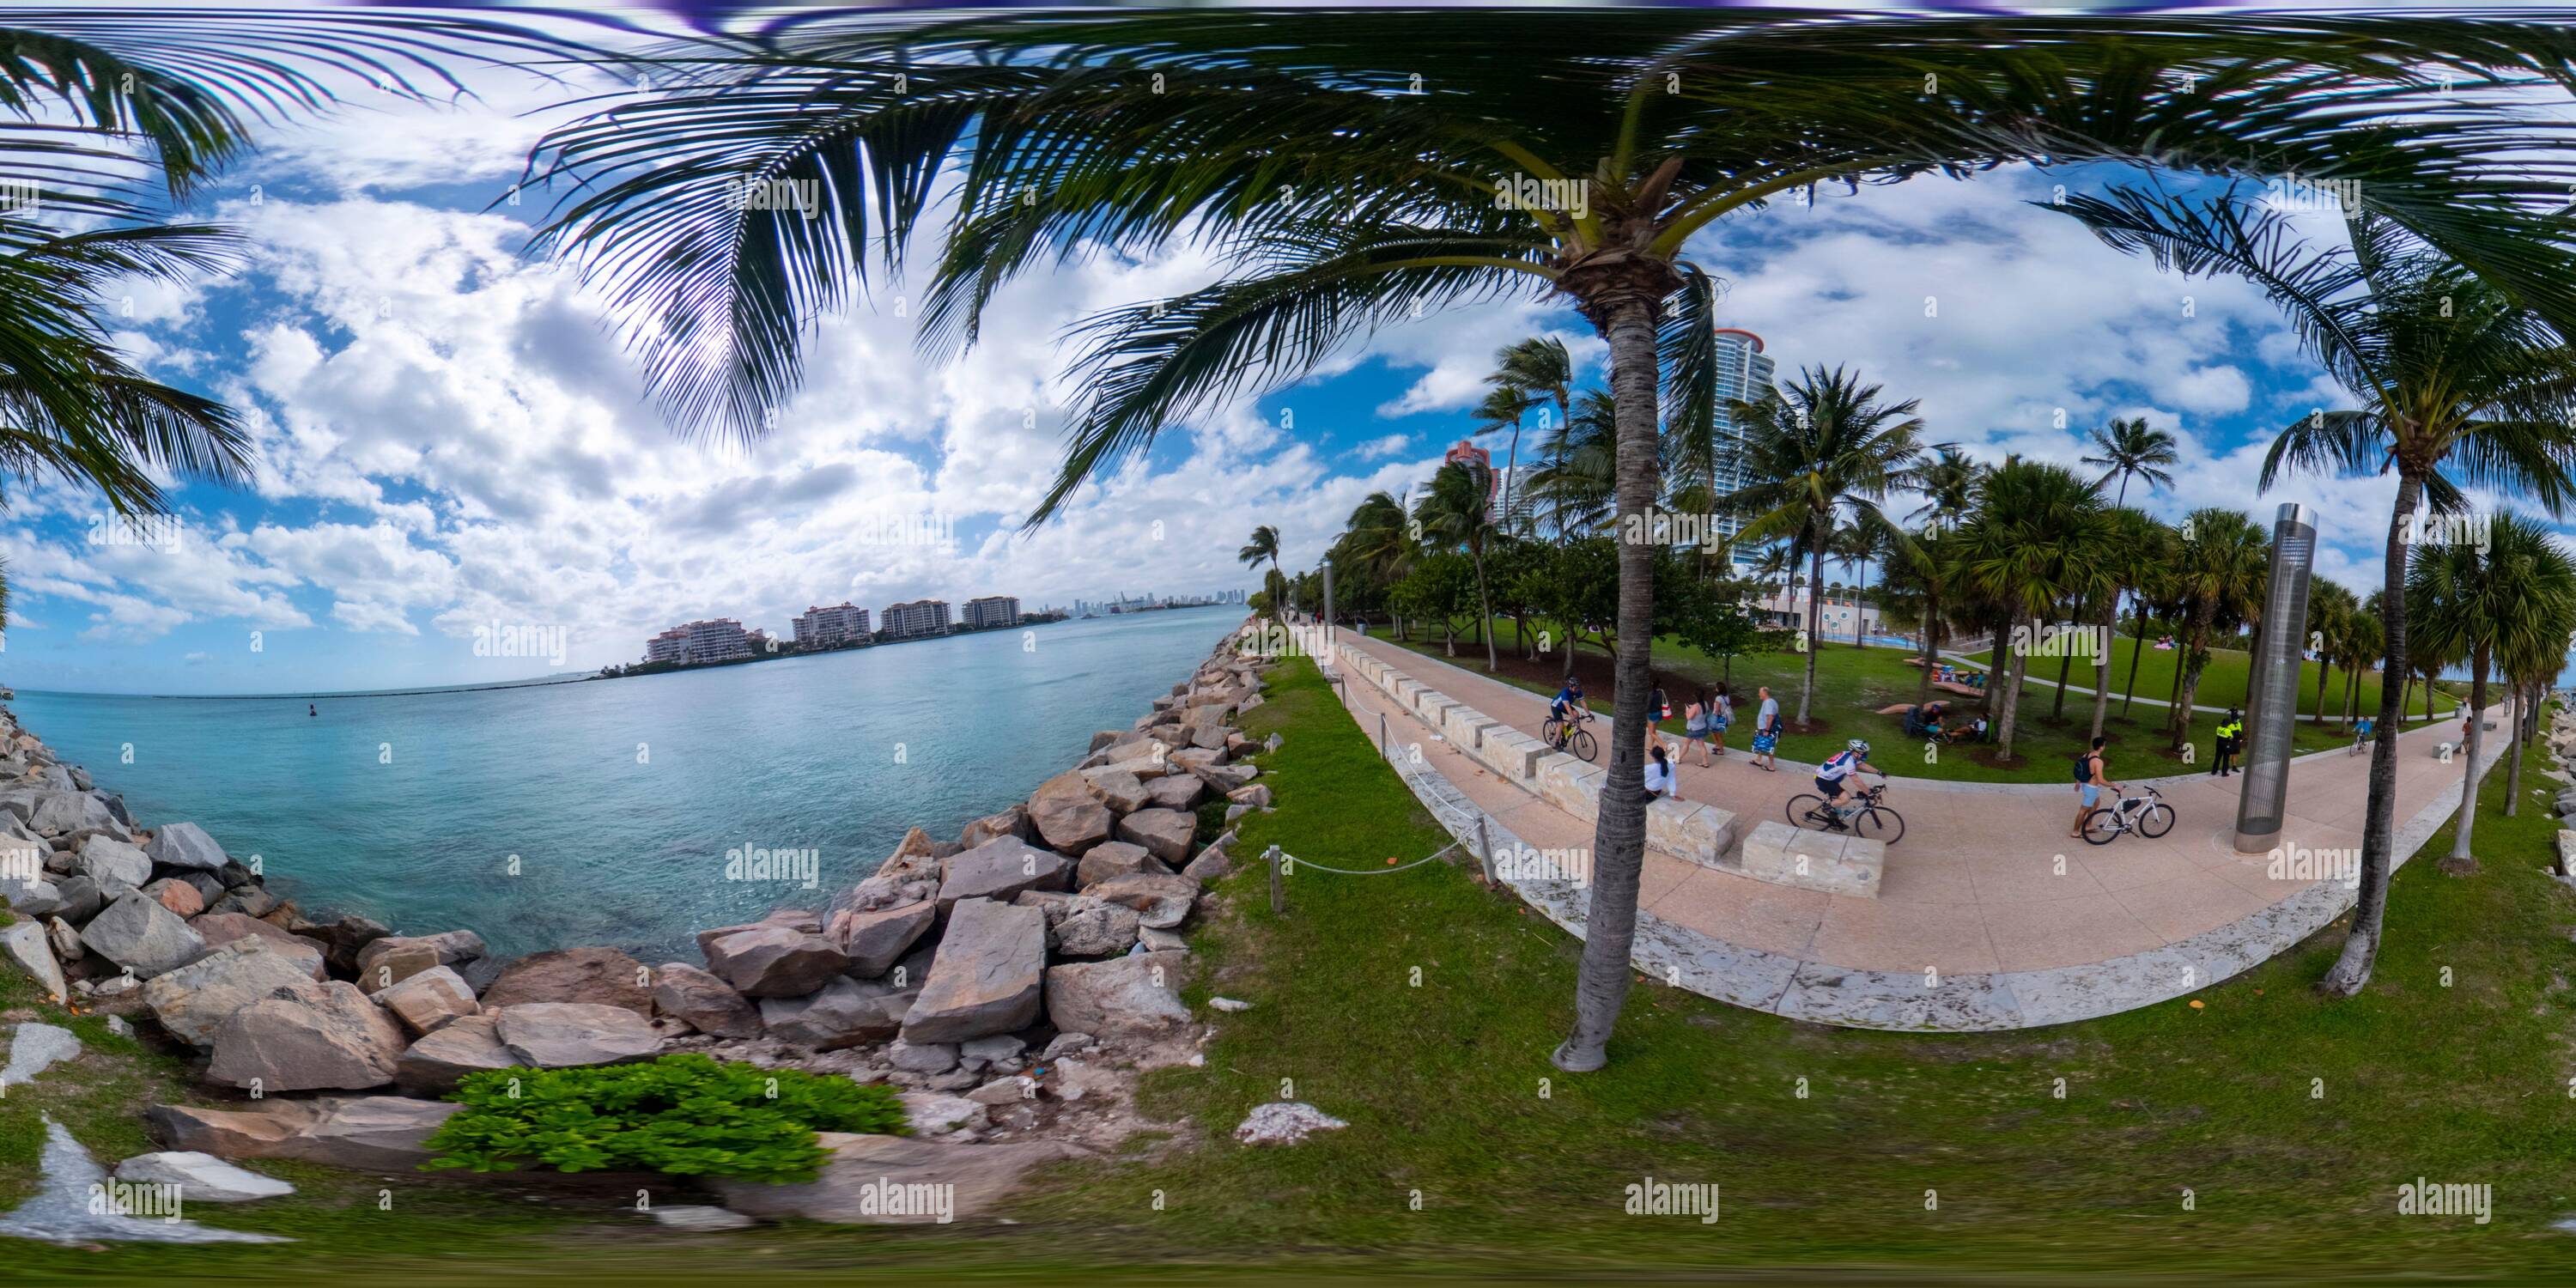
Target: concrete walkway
1988	916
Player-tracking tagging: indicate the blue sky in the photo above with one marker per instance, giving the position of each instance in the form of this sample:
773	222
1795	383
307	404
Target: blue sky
449	440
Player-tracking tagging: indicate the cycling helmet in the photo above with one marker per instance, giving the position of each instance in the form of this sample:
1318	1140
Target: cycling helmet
1857	747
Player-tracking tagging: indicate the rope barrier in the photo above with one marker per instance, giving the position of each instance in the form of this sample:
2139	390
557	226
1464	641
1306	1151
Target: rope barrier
1294	861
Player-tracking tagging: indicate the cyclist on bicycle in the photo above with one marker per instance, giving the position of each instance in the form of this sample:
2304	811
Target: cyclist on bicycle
1566	708
2361	732
1834	776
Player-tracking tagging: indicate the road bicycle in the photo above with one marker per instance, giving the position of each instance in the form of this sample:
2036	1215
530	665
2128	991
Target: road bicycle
1867	815
1571	736
2145	814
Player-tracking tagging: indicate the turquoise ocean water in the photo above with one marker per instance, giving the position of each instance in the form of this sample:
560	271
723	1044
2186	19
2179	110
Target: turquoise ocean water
616	801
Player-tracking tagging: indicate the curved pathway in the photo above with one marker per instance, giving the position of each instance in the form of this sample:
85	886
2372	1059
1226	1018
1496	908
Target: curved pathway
1988	915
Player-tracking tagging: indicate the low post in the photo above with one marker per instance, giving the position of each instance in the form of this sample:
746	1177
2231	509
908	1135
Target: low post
1484	848
1278	892
1385	744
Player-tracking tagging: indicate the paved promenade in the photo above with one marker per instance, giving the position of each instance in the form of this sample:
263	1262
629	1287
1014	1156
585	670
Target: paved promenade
1988	916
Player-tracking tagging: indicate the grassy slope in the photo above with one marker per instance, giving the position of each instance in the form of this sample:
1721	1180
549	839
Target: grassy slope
1521	1170
1853	683
2222	682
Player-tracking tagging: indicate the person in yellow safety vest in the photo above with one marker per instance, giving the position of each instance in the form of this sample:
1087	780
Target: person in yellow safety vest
2231	734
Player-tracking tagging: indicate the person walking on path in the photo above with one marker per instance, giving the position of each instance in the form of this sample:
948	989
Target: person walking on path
2092	775
1719	717
1766	731
2230	732
1658	709
1695	726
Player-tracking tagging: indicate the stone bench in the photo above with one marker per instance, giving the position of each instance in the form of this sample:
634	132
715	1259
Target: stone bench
1833	862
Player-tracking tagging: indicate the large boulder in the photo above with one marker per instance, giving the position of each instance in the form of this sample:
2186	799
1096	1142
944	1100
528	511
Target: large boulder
361	1133
24	943
430	1000
703	1001
1165	833
395	958
181	898
1000	868
1079	926
64	813
434	1065
307	1036
221	928
344	939
792	918
1162	900
81	899
185	845
115	865
845	1013
1175	791
1135	996
1117	788
558	1035
32	897
1012	822
597	976
986	977
1114	859
875	940
201	1178
775	962
137	933
897	1180
193	1001
1066	815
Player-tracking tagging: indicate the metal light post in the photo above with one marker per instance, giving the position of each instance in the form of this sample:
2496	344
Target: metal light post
2272	686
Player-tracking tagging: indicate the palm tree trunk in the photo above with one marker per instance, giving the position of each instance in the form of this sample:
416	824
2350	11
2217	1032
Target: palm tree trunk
1627	319
2190	668
2351	970
1484	609
2459	862
2102	662
2014	665
2137	649
1815	626
2513	749
1931	647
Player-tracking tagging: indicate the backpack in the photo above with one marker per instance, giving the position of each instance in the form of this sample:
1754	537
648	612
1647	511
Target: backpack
2084	769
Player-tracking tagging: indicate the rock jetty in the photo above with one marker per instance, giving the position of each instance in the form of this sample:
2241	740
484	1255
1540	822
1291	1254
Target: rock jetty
1011	981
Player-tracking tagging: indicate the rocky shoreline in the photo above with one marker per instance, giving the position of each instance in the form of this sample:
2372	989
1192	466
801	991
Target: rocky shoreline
1011	982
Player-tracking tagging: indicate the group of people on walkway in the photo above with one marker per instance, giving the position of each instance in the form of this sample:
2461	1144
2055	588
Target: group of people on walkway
1706	721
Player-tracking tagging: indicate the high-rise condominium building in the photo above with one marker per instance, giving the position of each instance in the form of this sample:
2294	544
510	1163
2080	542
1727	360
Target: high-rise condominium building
1743	372
993	610
831	627
719	640
917	617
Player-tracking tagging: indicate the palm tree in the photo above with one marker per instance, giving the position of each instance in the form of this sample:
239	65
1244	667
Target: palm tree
2036	540
1379	540
2331	607
2512	594
2458	373
1456	511
2128	449
1820	451
1577	480
1264	545
2530	660
1397	163
2133	557
1535	369
2362	646
1854	549
1501	407
2222	562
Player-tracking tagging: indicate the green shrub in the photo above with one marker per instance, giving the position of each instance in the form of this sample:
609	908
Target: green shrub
684	1114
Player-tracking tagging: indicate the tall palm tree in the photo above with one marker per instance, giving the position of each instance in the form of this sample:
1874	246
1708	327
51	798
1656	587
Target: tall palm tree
1821	451
2530	660
2461	379
1455	511
2036	540
2127	449
1577	480
2222	562
1855	548
2133	557
2469	602
2331	607
1379	540
1369	168
1525	373
2362	646
1502	407
1264	545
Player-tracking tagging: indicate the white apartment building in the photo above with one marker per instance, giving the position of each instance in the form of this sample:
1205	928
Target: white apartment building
917	617
993	610
831	627
1742	372
719	640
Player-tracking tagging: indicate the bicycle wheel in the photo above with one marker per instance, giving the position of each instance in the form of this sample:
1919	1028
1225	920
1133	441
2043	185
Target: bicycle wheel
2101	825
1804	808
1584	747
2155	820
1548	731
1880	824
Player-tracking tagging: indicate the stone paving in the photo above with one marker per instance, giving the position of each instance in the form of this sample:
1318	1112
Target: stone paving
1989	916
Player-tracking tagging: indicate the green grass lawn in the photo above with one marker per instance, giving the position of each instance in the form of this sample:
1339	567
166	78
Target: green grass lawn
2222	681
1853	683
1421	1007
